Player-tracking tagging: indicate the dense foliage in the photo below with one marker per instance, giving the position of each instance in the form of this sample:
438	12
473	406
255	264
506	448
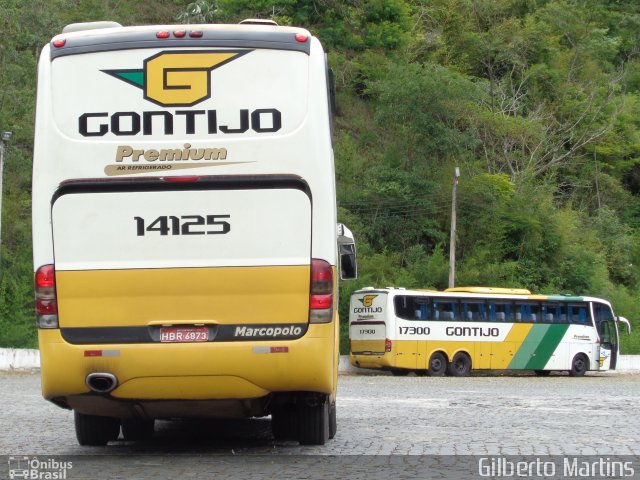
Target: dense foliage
536	101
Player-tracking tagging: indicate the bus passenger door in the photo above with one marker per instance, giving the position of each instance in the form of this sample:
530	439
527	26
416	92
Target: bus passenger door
608	345
608	333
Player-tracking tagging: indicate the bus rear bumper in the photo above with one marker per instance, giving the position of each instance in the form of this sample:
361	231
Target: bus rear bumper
187	379
374	361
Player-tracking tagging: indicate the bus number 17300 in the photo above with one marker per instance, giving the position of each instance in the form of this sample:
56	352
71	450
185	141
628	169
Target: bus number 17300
414	330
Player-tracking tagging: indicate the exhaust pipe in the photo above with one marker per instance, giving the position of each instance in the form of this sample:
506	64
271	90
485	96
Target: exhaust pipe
101	382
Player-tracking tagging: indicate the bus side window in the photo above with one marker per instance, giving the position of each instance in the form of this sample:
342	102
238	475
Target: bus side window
577	314
421	309
530	312
445	309
502	312
473	311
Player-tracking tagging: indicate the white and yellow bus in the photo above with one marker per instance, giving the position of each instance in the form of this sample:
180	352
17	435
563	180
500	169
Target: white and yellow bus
184	228
460	329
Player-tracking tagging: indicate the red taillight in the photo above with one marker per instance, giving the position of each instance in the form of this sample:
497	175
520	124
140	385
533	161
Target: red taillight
321	301
387	345
45	277
61	42
301	37
162	34
180	33
46	307
321	292
196	34
46	301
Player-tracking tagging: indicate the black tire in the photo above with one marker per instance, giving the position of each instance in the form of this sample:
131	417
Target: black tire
313	421
137	429
93	430
284	422
579	365
399	373
437	365
460	366
543	373
333	420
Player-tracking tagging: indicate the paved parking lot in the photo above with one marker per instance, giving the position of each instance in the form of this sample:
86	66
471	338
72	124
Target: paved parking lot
377	415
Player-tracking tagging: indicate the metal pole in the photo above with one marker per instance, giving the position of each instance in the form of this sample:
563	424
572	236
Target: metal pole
452	241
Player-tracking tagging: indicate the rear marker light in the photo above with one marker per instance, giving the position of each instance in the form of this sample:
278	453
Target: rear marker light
102	353
162	35
279	350
180	34
193	178
59	43
387	345
301	37
196	34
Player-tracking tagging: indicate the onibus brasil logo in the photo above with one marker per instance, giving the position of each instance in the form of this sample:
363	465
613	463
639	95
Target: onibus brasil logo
177	79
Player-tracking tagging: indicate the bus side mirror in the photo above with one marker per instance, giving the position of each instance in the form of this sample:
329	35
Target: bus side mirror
627	323
347	252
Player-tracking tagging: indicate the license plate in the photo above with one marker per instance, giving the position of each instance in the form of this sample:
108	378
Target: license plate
184	334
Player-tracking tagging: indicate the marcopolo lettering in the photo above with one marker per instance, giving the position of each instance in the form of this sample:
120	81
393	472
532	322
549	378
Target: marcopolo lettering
268	332
98	124
472	332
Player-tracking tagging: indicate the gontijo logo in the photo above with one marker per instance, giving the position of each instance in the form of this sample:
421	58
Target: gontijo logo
367	305
367	300
177	79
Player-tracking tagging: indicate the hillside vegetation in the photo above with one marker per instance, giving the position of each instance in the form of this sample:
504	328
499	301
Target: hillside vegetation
536	101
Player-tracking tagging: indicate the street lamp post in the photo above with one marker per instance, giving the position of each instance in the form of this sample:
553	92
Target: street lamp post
452	242
4	137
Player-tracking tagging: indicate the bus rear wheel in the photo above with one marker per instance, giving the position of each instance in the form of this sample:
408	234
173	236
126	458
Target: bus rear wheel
579	365
437	365
313	420
284	422
137	429
460	366
333	420
94	430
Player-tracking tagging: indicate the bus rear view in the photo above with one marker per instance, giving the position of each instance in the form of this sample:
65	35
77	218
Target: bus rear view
184	226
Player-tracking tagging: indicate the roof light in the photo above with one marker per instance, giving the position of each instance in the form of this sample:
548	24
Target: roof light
301	37
59	42
180	33
162	34
196	34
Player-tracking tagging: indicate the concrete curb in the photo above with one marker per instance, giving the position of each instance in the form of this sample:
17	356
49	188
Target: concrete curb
25	359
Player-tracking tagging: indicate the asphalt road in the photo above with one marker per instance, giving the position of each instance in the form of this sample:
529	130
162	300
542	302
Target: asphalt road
386	418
